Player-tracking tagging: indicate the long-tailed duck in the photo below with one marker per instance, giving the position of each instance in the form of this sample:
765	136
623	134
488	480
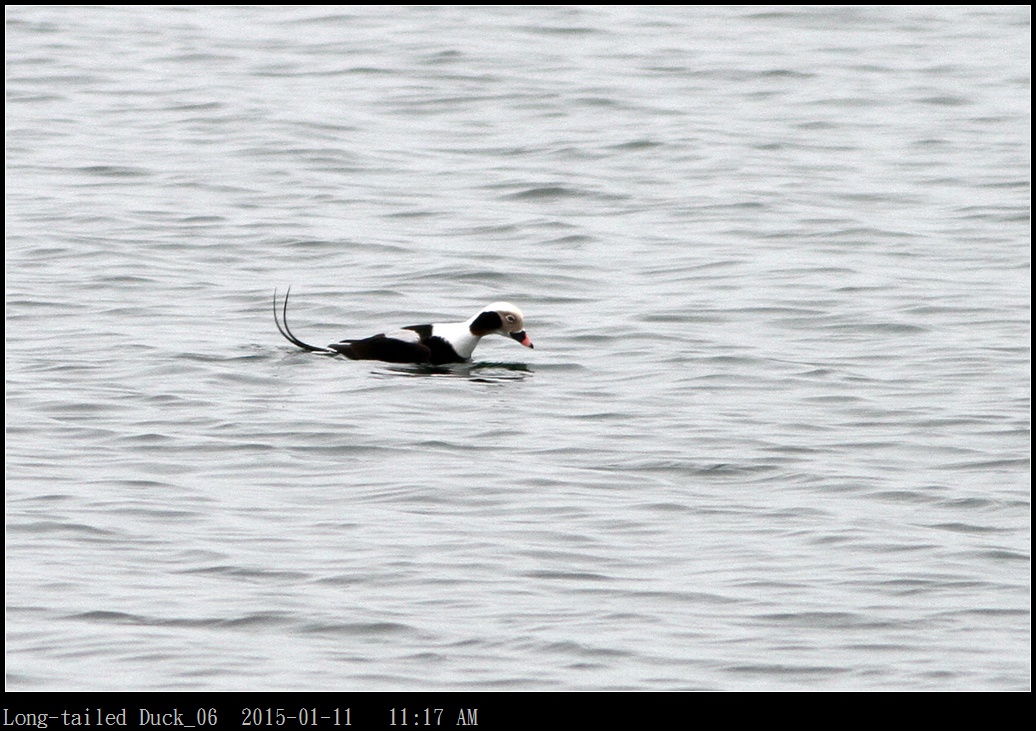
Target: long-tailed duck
436	344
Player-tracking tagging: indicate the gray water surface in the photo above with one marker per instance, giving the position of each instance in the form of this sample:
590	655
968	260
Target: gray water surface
774	434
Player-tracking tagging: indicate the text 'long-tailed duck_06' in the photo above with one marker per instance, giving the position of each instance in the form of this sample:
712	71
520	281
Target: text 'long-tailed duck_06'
435	344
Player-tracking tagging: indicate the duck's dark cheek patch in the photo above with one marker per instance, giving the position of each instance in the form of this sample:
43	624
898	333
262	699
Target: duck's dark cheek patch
486	323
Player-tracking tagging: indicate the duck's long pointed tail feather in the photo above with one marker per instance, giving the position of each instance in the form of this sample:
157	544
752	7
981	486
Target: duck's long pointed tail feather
288	335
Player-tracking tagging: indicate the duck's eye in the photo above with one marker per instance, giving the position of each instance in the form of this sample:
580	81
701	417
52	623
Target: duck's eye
510	318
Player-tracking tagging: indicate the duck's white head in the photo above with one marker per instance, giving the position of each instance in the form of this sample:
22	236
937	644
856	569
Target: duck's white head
501	318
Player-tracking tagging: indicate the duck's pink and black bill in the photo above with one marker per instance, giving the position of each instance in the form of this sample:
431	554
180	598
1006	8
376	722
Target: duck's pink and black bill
522	338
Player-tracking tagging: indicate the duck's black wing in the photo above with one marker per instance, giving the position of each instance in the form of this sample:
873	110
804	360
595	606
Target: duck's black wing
414	344
385	348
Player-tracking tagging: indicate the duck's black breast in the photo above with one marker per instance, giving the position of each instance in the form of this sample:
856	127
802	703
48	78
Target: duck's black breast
440	351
